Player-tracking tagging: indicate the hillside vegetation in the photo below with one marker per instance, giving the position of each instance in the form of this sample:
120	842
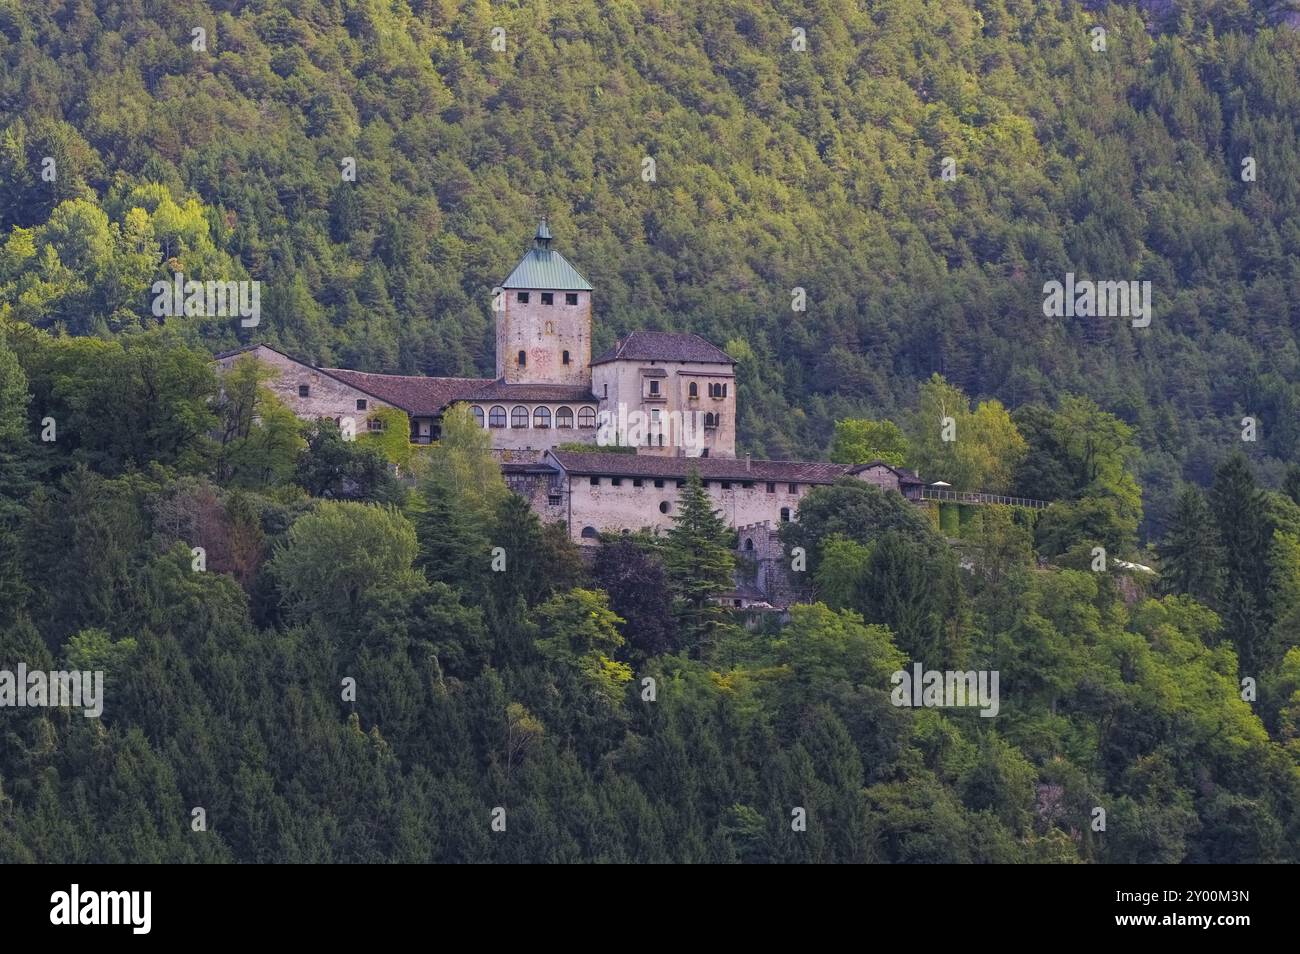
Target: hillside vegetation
775	169
309	659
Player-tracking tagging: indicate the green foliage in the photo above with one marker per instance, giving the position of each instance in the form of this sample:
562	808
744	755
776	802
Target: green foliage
859	441
853	510
698	563
1191	559
341	555
341	468
477	687
770	165
391	437
972	450
260	438
120	405
578	628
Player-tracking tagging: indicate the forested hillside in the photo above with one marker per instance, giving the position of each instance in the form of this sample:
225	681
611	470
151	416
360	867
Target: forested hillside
308	660
311	647
774	169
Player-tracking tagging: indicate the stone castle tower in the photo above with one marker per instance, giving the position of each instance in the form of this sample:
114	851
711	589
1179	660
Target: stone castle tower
544	320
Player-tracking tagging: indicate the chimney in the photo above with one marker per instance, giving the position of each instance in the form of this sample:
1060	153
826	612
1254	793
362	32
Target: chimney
749	460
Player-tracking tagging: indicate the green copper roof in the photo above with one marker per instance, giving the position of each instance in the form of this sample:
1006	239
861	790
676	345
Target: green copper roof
544	268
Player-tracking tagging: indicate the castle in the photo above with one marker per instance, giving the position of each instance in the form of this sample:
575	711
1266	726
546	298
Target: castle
672	397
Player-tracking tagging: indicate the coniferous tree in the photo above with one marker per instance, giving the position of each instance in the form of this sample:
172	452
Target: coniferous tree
1245	533
1291	483
1191	559
698	560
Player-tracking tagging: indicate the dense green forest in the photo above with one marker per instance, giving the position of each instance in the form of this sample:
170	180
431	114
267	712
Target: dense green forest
331	664
305	636
774	170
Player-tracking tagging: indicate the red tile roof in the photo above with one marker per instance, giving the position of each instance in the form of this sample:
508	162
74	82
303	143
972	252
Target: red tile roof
904	475
709	468
664	346
418	396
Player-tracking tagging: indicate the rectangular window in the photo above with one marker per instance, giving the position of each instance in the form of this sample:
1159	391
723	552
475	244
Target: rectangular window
374	424
304	390
595	481
616	481
794	488
570	298
566	357
654	388
548	298
748	485
553	499
659	482
726	485
522	298
681	484
361	404
771	487
636	482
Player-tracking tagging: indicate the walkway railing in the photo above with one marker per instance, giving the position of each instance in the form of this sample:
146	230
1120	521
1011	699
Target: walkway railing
966	497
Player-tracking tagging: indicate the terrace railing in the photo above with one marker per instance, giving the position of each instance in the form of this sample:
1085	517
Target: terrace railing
968	497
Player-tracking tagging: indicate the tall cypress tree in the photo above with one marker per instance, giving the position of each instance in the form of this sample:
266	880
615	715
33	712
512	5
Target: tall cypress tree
1191	558
699	562
1244	531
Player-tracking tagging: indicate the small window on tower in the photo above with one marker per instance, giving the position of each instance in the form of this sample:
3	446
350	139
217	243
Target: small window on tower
565	357
523	359
548	298
570	298
522	298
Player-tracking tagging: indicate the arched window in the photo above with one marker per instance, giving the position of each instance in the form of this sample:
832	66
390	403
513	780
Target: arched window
542	417
550	325
695	390
589	533
519	416
478	414
497	417
523	359
664	507
587	417
749	543
564	417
